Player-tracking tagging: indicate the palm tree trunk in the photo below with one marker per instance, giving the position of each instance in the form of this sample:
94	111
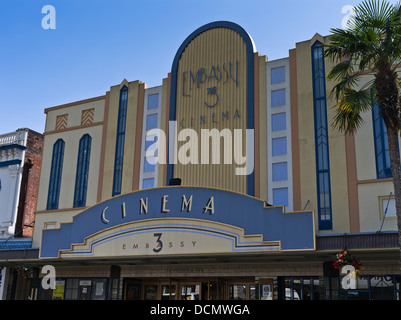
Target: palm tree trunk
395	170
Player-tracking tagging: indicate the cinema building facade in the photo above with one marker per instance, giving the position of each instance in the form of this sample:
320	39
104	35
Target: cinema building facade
260	216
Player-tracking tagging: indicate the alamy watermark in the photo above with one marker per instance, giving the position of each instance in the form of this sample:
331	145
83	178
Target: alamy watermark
349	12
349	280
49	20
49	280
213	146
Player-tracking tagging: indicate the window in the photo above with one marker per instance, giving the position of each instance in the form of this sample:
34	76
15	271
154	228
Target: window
278	98
99	289
237	292
82	175
280	197
153	101
148	183
299	288
55	175
120	139
149	162
279	146
151	121
277	75
280	171
278	121
71	290
383	168
321	138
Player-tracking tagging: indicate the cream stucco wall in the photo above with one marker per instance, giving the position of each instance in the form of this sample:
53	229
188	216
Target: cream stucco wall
337	150
370	189
130	138
71	136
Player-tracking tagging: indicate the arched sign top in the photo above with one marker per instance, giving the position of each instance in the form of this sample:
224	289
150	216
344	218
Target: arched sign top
217	24
248	106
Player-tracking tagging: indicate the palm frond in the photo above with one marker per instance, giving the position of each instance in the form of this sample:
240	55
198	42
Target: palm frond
350	106
372	14
341	70
370	44
346	82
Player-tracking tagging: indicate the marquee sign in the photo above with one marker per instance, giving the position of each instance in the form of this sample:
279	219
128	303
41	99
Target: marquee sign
179	221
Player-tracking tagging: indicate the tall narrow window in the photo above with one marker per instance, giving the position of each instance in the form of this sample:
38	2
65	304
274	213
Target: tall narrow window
382	155
55	175
321	139
119	156
81	179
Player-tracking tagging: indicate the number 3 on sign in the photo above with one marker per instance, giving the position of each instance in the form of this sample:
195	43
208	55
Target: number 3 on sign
159	242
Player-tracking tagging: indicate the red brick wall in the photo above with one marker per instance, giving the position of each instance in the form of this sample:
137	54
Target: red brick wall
30	183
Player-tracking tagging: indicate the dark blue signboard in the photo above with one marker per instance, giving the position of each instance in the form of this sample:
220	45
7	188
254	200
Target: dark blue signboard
295	230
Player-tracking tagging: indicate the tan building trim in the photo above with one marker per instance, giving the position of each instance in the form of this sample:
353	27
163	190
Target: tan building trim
375	180
167	127
74	103
256	126
99	123
263	192
138	136
103	149
61	210
353	203
296	171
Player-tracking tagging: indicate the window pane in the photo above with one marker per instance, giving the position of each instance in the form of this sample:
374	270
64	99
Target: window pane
278	98
279	146
278	121
151	158
190	292
151	292
151	144
55	175
382	154
280	171
280	197
278	75
151	121
168	292
149	164
148	183
153	101
71	292
82	174
237	292
120	139
99	289
321	137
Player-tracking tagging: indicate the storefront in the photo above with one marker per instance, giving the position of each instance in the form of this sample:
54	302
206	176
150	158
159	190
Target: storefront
385	287
186	243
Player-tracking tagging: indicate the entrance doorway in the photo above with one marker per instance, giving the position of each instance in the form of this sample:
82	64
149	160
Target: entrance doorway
194	289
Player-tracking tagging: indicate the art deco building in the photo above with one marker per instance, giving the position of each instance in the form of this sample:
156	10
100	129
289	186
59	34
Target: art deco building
227	181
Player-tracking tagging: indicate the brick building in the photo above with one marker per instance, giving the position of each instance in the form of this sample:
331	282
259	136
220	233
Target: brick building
20	164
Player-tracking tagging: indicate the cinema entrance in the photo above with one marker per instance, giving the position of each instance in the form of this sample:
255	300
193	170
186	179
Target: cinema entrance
198	289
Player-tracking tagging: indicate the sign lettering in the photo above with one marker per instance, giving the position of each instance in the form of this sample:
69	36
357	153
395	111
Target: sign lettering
186	205
220	74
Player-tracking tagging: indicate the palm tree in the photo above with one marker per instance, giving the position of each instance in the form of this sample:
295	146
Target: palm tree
370	45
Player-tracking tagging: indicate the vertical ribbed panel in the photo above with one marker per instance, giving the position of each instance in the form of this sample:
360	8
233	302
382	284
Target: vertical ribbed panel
215	47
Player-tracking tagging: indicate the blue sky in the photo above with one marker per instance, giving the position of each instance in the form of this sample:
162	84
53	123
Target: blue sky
98	43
